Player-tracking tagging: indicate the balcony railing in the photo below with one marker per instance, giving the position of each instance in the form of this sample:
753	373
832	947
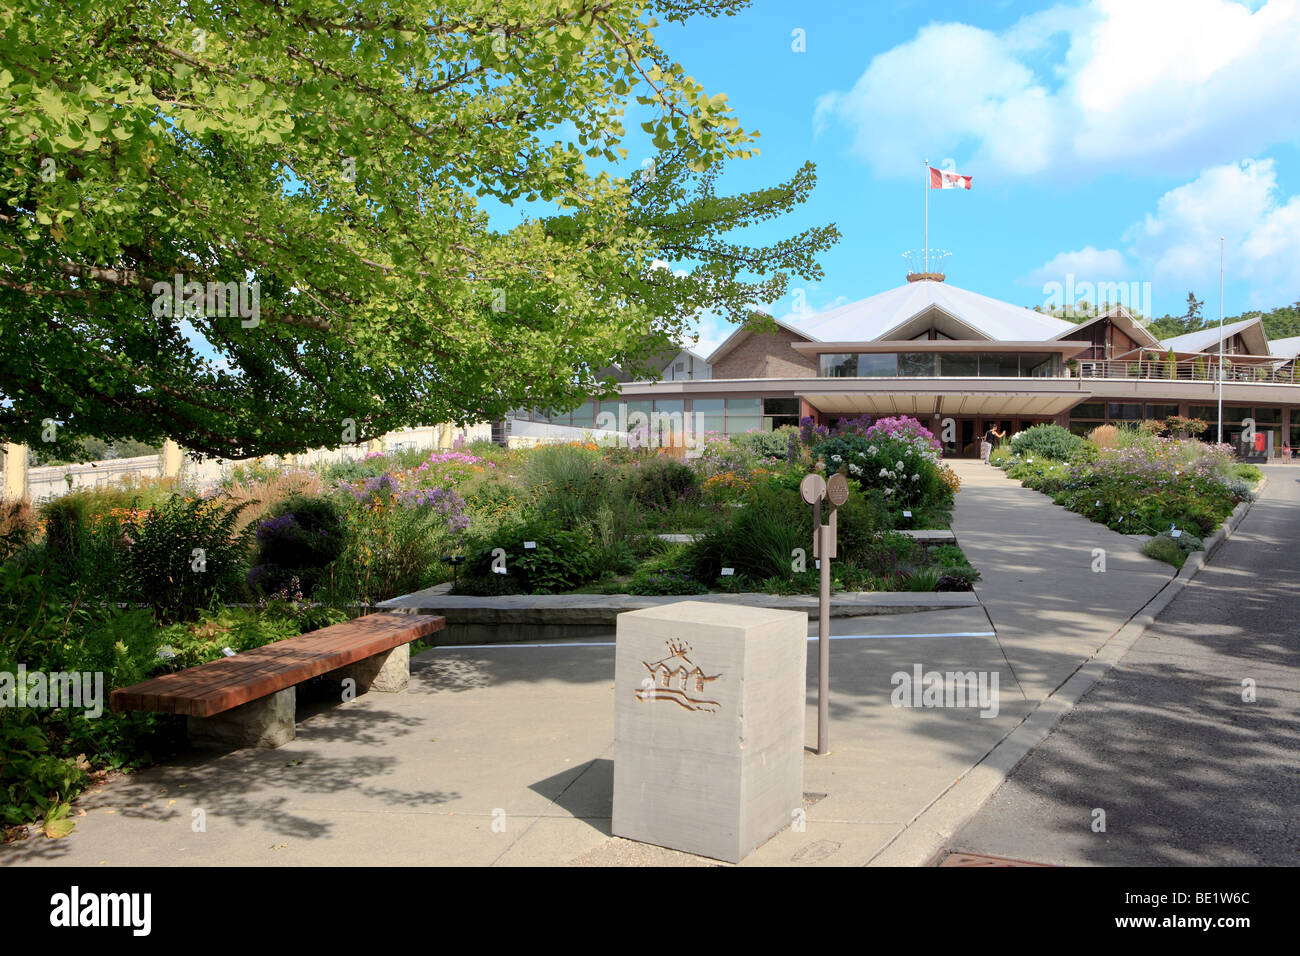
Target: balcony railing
1208	372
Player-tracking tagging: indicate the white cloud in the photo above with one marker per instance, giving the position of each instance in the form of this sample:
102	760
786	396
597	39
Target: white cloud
1086	264
1163	86
1241	202
1176	247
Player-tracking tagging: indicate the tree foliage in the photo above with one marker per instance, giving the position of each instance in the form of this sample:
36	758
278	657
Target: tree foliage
340	160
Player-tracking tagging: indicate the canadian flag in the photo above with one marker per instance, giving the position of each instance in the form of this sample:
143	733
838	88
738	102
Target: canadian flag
943	179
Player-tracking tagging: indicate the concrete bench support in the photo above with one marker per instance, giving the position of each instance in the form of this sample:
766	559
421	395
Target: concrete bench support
388	673
266	722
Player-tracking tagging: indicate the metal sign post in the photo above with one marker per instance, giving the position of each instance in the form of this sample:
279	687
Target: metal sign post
813	489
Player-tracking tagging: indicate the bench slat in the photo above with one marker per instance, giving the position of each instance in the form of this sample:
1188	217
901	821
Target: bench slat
231	681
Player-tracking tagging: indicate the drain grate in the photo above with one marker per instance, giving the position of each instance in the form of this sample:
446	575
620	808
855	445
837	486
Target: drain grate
954	858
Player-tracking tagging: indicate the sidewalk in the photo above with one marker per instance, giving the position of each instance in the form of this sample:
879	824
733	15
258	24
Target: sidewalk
522	736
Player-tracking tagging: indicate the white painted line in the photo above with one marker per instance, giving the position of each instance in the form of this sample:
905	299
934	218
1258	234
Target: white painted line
834	637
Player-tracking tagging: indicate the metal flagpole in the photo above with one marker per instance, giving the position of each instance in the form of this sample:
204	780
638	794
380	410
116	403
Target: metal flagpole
927	216
1221	340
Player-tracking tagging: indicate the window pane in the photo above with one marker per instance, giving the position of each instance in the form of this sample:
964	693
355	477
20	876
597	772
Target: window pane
1034	365
997	365
1161	411
956	363
877	365
839	366
781	406
584	416
1089	410
1271	415
1125	411
744	406
736	424
916	364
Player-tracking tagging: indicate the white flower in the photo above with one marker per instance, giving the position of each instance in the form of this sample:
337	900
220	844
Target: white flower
836	458
900	466
873	450
854	470
884	472
915	477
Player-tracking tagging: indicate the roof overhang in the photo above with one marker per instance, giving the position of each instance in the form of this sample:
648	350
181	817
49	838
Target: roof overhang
1120	316
953	397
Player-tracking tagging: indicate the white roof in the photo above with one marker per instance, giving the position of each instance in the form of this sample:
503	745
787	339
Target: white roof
1286	348
877	317
1196	341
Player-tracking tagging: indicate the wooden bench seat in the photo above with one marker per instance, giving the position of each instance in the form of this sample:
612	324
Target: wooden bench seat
249	699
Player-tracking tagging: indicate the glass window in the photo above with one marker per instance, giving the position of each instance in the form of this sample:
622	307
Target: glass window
996	365
877	365
959	364
708	415
916	364
781	406
1161	411
584	416
737	424
1209	413
743	406
1124	411
1095	410
1271	415
839	365
1033	365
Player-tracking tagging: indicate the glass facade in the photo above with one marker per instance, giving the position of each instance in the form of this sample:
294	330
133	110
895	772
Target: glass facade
940	365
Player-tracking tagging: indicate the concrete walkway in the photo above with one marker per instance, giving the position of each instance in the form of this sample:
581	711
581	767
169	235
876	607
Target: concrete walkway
1187	771
501	755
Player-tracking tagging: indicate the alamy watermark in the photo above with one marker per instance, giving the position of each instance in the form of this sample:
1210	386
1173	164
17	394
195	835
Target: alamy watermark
192	299
1094	298
79	690
923	688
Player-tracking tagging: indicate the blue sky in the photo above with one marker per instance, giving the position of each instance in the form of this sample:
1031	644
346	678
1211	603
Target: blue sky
1110	140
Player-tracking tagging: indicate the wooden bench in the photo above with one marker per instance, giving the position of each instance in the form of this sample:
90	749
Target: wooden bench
248	700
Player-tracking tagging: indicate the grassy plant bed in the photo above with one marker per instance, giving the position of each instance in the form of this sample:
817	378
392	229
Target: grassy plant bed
133	579
1134	482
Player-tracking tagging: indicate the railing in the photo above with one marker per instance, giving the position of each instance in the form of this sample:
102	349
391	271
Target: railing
1183	372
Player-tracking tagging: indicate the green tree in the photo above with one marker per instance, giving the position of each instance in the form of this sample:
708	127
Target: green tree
321	177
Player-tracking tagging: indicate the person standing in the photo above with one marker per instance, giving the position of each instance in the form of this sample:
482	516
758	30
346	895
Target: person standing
991	438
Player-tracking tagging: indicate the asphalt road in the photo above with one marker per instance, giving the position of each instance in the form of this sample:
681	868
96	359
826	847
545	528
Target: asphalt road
1185	770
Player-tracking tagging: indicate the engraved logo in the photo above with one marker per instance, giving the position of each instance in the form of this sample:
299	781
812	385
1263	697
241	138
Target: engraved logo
677	678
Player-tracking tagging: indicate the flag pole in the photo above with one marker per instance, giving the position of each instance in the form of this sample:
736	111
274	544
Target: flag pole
927	217
1220	340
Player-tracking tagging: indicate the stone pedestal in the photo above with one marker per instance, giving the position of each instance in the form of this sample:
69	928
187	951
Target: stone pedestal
708	726
388	673
267	722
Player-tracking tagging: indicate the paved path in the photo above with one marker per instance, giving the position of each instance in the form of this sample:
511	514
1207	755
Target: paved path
522	736
1186	772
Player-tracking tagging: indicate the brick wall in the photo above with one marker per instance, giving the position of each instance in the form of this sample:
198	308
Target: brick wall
766	355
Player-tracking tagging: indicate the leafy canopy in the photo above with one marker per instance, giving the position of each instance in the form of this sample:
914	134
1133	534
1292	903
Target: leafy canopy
338	160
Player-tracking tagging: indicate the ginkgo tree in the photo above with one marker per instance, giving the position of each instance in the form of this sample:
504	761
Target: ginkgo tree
262	227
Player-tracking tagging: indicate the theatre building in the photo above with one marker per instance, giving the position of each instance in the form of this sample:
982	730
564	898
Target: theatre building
935	352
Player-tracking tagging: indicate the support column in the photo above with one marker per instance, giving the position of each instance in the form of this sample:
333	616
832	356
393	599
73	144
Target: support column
171	459
15	484
387	673
267	722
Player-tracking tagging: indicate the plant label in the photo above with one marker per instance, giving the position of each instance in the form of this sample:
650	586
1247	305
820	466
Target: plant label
728	572
528	545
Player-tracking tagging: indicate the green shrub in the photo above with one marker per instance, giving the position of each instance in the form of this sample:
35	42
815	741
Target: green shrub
1049	441
662	483
773	444
299	538
561	561
185	555
1246	471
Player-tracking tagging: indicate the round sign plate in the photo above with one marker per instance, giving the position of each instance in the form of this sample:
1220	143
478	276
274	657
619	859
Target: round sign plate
812	488
837	489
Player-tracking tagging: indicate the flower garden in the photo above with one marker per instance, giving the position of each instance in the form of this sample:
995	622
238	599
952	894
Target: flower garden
135	580
1134	480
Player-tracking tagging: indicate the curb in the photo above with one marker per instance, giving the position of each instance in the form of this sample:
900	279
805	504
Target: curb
921	841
